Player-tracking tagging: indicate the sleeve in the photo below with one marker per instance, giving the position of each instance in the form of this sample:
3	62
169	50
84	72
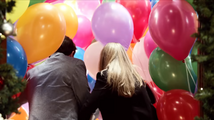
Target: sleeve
93	101
80	83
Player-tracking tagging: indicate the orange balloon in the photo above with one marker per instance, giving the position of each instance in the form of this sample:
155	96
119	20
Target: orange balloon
40	31
130	50
144	34
22	116
70	18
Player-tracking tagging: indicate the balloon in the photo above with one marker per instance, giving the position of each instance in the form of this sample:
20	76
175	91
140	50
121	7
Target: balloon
104	1
84	35
26	107
169	73
91	82
144	34
111	22
73	4
87	7
157	90
39	32
140	59
70	19
18	10
50	1
32	2
22	116
30	67
59	1
92	58
139	11
134	40
171	25
130	50
195	64
16	57
79	53
177	105
149	44
153	2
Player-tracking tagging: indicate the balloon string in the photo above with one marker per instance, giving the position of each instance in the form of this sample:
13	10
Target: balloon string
188	80
189	73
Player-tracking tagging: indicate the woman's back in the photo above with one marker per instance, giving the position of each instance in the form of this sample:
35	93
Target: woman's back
114	107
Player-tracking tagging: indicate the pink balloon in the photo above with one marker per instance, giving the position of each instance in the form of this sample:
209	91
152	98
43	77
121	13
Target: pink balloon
50	1
87	7
58	1
92	58
84	35
141	60
26	107
171	25
149	44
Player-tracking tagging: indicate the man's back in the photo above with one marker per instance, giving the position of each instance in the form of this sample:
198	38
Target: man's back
56	88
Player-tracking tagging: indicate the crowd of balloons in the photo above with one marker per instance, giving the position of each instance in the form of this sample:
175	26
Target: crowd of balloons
155	33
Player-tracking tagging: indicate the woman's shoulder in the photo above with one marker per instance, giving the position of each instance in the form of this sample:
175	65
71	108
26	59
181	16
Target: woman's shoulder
102	75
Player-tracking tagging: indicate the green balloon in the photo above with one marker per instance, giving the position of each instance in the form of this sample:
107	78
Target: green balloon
32	2
169	73
105	1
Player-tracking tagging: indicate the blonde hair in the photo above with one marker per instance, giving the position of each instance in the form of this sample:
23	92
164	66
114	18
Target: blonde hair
122	75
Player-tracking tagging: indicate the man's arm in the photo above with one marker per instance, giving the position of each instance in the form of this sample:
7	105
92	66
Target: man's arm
80	83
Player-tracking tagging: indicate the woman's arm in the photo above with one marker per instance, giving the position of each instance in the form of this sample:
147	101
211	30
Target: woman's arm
93	101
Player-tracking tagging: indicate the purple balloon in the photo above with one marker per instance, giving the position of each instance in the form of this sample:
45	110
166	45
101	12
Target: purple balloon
111	22
149	44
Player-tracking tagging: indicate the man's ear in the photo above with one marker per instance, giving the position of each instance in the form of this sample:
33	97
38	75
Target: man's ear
72	54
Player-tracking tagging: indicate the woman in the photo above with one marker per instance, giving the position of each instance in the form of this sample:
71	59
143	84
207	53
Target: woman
119	92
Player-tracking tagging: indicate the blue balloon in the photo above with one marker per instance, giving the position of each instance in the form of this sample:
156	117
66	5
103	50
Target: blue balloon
79	53
153	2
91	82
16	57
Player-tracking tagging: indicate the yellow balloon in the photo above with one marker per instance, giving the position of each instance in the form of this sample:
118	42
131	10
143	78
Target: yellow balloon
73	4
40	31
18	10
70	18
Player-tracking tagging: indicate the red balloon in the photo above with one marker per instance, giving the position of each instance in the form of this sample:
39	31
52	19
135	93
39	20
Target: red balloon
30	67
134	40
156	91
139	11
171	24
177	105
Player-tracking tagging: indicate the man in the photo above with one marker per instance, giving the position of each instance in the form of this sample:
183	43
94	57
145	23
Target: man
57	88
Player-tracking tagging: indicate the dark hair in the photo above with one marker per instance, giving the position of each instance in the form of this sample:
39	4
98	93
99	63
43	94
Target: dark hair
67	47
